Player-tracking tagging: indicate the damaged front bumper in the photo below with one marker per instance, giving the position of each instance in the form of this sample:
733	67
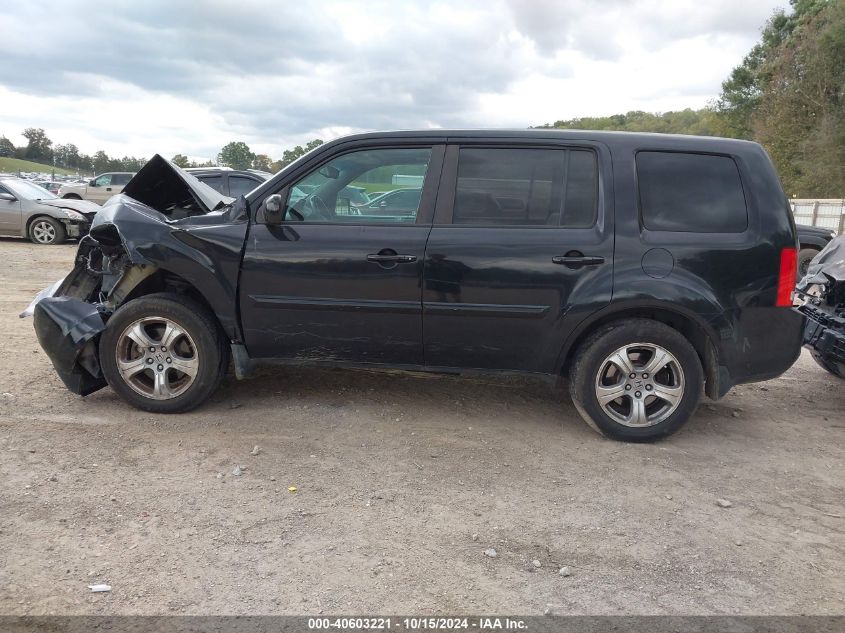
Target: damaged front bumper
131	236
68	329
820	297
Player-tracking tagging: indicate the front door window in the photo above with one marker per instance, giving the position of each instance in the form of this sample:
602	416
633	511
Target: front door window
339	191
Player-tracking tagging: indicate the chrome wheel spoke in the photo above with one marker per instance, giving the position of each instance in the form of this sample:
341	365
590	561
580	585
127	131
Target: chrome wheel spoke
621	360
672	395
188	366
638	415
161	385
610	393
129	368
140	336
658	361
171	333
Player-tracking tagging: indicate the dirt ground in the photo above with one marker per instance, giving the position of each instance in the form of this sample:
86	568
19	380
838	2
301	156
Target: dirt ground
402	482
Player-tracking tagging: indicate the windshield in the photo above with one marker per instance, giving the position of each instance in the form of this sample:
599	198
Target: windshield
29	191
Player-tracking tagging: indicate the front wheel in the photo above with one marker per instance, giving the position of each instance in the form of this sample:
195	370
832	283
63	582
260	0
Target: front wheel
636	380
163	353
47	231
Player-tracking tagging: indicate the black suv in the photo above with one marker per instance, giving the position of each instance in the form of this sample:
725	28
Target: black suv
646	269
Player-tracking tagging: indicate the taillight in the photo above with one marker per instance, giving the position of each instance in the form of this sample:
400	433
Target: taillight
786	276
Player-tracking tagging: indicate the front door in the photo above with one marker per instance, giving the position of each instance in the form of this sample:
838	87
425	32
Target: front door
10	214
331	283
101	190
521	251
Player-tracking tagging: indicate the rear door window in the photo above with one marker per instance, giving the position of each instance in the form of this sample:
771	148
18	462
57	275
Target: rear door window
694	193
215	182
239	185
526	187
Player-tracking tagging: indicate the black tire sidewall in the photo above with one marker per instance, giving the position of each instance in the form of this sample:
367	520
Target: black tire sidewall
61	234
828	366
195	320
592	354
805	255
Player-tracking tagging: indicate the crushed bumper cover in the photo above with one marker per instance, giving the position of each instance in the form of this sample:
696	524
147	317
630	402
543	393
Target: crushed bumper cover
67	330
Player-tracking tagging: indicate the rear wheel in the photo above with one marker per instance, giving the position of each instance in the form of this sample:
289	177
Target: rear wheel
637	380
47	231
163	353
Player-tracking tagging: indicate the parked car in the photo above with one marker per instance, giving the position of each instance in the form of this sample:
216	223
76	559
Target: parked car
644	268
50	185
27	210
821	298
811	240
229	182
98	189
399	201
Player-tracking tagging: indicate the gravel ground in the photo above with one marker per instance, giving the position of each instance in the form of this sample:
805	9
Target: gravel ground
401	484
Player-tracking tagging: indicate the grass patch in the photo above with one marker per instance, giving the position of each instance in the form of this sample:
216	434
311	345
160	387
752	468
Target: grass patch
14	165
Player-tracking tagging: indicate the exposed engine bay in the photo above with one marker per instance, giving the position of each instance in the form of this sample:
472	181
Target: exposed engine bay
166	231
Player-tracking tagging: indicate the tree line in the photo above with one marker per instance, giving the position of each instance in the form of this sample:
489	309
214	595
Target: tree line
41	149
787	94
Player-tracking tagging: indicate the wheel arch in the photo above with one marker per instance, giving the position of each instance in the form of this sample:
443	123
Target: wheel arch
158	280
699	333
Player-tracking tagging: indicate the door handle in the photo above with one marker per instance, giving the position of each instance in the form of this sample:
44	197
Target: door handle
108	188
392	259
577	261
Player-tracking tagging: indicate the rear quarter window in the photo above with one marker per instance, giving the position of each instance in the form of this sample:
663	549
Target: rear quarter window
692	193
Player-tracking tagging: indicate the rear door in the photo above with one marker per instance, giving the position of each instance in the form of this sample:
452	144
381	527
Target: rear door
332	284
521	251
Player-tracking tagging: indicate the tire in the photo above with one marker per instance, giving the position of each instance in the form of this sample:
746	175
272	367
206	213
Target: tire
72	196
46	231
178	368
833	368
805	255
650	406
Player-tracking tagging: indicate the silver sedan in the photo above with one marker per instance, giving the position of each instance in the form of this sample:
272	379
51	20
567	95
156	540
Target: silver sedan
27	210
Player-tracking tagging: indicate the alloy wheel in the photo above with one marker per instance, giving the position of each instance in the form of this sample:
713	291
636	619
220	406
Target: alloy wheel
157	358
640	385
43	232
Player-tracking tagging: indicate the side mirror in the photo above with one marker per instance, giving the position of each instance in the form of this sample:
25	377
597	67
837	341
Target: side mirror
7	197
273	209
93	183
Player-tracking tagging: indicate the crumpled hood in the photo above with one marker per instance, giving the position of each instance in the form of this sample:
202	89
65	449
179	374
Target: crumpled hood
85	207
828	265
164	187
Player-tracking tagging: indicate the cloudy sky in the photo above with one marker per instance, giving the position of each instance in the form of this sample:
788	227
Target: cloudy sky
139	77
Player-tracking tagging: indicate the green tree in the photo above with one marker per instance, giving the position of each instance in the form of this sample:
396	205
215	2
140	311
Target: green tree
236	155
7	148
262	162
181	161
290	155
38	145
101	162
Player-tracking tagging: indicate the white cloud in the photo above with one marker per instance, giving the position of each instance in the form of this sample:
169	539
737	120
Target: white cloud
137	78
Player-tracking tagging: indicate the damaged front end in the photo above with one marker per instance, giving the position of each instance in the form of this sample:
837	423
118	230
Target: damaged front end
820	297
167	232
